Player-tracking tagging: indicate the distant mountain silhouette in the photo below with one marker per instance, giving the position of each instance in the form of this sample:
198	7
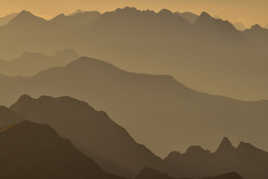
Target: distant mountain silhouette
35	150
32	63
93	132
5	20
26	18
30	150
209	55
216	28
148	106
246	159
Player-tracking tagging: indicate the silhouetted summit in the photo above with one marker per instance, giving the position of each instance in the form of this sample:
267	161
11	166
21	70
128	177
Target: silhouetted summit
225	146
93	132
26	18
213	25
30	150
246	159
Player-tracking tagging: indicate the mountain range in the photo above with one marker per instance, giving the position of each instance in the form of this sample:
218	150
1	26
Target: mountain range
209	54
246	159
151	108
102	145
31	150
93	132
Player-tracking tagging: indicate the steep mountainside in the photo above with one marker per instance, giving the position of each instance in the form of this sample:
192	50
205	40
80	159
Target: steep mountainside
93	132
30	150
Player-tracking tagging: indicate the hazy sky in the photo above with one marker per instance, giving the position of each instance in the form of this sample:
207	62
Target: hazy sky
246	11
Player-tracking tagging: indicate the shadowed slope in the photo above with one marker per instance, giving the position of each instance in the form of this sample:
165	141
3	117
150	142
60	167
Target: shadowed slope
93	132
30	150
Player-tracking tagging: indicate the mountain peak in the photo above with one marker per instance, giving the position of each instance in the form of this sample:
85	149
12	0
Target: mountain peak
26	18
205	19
257	28
90	63
25	98
205	15
225	146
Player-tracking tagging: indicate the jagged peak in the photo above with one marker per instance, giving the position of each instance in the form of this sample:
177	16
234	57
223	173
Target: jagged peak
225	146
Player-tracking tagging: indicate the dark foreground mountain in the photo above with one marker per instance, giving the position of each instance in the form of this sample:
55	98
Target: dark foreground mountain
93	132
33	150
32	63
151	108
154	174
246	159
30	150
205	53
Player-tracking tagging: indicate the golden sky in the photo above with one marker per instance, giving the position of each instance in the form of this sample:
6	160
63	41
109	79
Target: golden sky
246	11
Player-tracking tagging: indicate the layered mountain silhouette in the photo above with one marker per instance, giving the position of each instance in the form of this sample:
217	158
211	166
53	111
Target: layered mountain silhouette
246	159
5	19
208	54
151	108
32	63
93	132
30	150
